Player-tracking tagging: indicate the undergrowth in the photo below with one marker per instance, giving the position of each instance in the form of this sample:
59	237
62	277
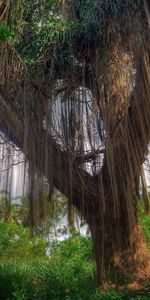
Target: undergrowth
68	274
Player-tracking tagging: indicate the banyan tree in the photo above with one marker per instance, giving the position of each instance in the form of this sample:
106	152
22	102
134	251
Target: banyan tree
75	99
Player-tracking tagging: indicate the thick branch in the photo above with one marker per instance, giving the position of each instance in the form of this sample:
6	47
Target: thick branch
52	161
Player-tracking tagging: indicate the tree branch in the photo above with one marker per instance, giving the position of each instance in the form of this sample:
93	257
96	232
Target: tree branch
84	190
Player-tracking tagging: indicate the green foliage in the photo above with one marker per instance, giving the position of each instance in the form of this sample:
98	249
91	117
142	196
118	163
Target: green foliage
68	275
64	40
14	279
16	244
145	222
112	294
49	209
5	33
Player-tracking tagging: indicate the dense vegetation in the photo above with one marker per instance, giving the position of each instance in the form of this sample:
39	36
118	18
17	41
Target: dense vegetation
67	274
84	23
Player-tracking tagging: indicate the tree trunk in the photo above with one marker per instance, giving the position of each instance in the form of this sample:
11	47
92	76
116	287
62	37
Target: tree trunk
116	251
118	240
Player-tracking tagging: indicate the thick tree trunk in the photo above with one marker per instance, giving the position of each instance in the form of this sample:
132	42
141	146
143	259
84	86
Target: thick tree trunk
118	241
116	251
117	237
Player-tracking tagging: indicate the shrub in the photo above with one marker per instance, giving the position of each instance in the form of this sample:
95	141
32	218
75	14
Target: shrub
68	274
17	245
